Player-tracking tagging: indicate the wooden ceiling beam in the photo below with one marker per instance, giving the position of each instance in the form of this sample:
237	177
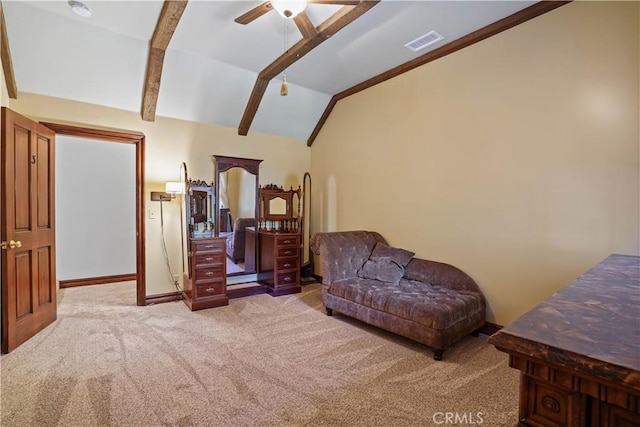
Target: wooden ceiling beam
254	13
7	63
343	17
305	25
340	2
497	27
167	23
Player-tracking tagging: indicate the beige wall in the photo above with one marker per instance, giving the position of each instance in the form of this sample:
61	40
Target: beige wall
168	143
515	159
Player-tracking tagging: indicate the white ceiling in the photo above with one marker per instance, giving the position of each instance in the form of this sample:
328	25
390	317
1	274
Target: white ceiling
212	62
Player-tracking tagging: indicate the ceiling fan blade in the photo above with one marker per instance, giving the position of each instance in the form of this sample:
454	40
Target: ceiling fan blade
342	2
254	13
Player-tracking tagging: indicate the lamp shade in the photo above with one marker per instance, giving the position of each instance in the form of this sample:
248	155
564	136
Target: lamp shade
289	8
174	187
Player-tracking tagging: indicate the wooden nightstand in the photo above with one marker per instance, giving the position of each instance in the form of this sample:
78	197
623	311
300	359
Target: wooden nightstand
207	286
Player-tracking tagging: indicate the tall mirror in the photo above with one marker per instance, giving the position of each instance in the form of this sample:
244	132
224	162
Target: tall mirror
306	270
236	211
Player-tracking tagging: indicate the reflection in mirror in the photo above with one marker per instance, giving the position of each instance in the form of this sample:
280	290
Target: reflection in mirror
240	193
235	213
278	206
199	208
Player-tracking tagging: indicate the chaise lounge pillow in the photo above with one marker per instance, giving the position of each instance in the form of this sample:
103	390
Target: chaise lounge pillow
383	269
400	256
385	264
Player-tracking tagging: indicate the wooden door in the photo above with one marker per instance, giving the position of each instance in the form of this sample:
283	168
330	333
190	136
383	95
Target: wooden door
27	229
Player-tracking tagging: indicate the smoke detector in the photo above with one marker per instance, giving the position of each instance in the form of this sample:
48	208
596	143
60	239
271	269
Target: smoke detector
79	8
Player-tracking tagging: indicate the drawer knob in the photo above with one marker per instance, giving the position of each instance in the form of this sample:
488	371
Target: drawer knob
209	273
288	252
287	279
287	242
208	259
209	247
287	265
210	289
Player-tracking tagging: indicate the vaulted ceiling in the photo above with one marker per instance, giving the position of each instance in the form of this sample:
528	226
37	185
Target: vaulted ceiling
214	70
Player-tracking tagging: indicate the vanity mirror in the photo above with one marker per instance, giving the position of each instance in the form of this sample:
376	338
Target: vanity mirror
236	211
199	208
277	207
277	204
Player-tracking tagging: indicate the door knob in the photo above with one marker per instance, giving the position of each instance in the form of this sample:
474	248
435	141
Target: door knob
12	244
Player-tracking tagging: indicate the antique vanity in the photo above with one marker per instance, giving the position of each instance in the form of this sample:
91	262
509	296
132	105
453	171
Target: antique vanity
279	240
204	281
240	239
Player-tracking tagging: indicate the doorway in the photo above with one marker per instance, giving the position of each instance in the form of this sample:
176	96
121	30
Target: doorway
127	138
95	212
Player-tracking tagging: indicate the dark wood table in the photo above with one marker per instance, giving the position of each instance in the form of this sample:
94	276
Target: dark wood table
579	351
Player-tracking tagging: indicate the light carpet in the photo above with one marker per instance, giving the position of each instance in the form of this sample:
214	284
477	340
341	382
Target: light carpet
261	361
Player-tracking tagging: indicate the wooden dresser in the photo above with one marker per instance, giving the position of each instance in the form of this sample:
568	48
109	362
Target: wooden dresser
579	351
279	240
279	262
206	285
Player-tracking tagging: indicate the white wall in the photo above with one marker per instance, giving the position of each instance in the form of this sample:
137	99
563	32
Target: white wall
95	208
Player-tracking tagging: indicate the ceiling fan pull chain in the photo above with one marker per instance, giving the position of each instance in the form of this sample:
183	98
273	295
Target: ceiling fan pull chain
284	89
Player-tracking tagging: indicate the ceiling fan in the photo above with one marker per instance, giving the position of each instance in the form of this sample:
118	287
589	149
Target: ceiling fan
288	9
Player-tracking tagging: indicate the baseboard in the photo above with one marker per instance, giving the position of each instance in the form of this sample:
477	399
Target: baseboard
490	328
160	298
97	280
245	291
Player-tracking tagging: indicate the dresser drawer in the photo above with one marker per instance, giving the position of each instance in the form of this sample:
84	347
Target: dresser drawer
287	252
206	274
209	259
210	290
288	240
210	246
287	263
290	278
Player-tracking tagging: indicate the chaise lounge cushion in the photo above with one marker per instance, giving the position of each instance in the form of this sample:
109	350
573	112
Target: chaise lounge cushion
434	307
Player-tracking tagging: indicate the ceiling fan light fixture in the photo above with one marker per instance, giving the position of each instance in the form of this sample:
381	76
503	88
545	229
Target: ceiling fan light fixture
79	8
289	9
284	88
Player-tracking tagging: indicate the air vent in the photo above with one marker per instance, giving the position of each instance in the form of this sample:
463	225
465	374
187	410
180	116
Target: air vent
423	41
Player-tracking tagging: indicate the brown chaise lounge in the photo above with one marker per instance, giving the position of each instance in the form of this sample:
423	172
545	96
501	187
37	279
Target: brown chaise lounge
430	302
